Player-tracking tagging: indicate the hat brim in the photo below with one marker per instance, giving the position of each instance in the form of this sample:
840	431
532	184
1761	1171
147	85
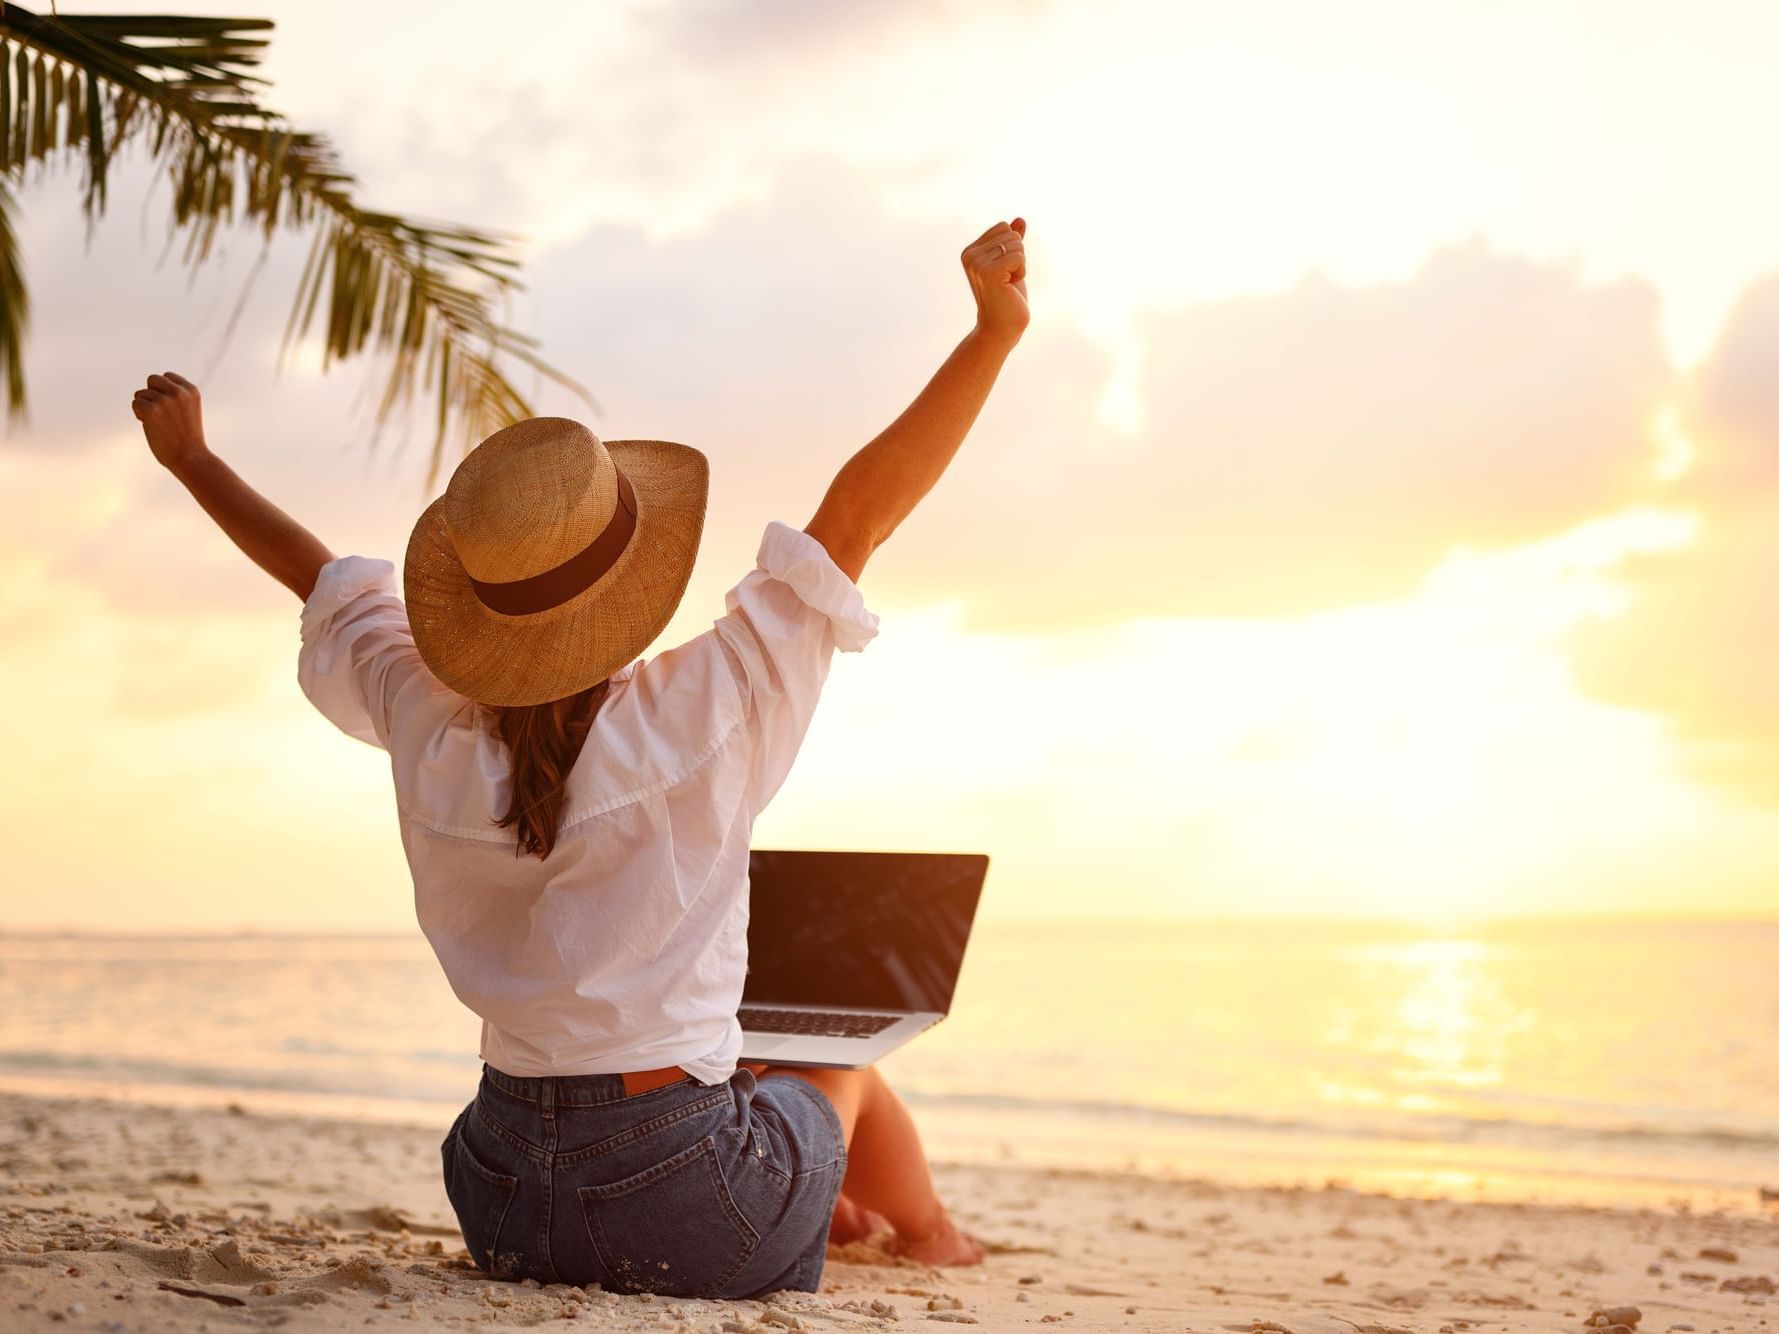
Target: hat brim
551	654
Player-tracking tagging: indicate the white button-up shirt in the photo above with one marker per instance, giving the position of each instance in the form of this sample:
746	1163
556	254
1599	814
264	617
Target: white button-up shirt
626	948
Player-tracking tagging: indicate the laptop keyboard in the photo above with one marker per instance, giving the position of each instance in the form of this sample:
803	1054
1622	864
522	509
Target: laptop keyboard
815	1023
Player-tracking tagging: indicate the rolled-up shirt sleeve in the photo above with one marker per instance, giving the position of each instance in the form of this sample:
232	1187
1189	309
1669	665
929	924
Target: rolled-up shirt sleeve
783	622
357	648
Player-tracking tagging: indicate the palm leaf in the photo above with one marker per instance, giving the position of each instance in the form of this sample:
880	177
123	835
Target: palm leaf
421	292
15	305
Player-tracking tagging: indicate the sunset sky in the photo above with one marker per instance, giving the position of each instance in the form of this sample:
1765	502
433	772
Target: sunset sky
1379	518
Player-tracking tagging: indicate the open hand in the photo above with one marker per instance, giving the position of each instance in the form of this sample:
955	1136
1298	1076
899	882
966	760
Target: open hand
995	265
172	417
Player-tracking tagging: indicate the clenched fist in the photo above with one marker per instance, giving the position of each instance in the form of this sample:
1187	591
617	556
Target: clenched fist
172	417
995	265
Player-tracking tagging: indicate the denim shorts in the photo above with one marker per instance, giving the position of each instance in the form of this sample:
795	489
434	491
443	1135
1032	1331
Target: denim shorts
689	1190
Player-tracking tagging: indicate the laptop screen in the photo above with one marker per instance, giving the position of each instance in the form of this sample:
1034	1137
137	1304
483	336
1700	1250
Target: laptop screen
875	930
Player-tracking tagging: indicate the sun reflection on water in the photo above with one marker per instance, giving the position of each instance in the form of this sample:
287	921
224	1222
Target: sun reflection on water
1429	1019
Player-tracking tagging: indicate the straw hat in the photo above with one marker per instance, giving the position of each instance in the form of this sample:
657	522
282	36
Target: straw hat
552	559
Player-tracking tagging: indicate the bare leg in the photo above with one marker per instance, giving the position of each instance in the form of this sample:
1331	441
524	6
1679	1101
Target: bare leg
853	1222
886	1168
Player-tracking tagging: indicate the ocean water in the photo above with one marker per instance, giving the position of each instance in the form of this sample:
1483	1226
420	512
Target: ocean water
1623	1062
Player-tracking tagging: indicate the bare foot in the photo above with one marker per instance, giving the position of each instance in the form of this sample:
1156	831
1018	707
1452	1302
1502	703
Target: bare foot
853	1222
946	1244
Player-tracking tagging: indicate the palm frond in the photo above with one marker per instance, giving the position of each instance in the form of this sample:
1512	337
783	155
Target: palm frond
15	305
420	291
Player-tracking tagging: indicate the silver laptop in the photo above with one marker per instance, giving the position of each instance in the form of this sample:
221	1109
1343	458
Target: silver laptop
850	954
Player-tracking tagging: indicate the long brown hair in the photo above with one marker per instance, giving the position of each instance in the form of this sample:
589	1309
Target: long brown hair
544	741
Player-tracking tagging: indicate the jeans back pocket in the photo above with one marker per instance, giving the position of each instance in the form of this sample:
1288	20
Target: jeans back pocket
481	1198
672	1228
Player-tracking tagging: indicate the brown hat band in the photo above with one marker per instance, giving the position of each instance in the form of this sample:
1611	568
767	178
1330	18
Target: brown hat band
575	575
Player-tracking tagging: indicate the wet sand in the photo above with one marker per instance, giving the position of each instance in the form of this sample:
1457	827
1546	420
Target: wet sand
116	1216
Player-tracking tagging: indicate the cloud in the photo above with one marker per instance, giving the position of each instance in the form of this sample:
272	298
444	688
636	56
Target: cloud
1699	638
656	115
1317	447
747	35
1733	405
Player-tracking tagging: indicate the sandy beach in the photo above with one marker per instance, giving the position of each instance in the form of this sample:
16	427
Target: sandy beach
118	1216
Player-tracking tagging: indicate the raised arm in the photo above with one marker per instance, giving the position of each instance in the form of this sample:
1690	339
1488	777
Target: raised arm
881	484
172	417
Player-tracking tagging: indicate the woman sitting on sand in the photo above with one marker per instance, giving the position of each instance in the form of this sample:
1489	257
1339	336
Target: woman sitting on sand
577	823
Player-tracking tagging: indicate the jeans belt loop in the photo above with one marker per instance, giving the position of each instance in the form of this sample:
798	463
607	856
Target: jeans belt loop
546	1097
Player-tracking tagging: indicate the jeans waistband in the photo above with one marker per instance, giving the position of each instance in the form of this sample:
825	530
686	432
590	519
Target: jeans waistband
562	1090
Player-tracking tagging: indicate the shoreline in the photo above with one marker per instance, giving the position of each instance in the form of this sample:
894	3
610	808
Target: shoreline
129	1215
1414	1169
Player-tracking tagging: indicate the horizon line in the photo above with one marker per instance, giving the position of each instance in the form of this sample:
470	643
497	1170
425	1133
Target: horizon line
1430	926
